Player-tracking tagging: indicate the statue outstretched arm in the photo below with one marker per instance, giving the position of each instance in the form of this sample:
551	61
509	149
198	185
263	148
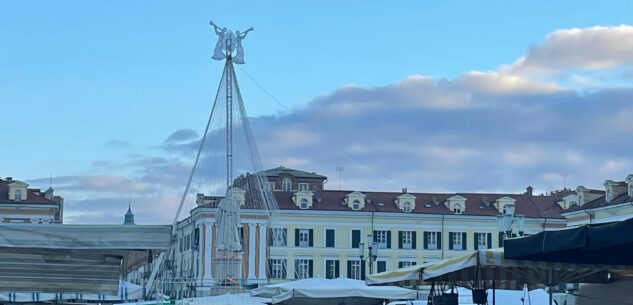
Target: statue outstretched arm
218	30
243	35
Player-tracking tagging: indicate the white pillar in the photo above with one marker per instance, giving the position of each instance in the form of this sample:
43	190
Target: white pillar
251	251
262	252
208	251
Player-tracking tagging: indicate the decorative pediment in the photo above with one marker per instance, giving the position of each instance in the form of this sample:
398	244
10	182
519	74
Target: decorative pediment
355	200
456	203
303	199
568	202
17	190
406	202
505	205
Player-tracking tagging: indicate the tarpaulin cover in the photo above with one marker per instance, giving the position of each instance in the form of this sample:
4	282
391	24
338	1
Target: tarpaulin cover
72	258
607	243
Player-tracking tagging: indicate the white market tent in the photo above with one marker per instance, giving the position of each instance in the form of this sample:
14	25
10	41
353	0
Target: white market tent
319	291
127	291
73	258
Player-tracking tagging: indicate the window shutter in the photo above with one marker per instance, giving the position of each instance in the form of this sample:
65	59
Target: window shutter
362	270
283	270
500	239
489	240
311	237
349	269
355	238
375	236
270	268
296	237
413	240
310	268
296	268
439	240
270	237
399	239
450	240
476	239
388	239
381	266
336	269
426	240
464	242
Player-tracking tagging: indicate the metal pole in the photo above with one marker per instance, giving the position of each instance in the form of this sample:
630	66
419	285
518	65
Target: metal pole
229	117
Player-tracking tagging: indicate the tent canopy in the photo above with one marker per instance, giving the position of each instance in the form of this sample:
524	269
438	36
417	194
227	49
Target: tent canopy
491	265
607	243
72	258
334	291
127	291
226	299
410	273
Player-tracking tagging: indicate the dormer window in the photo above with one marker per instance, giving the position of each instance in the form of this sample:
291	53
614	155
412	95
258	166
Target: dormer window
18	195
304	203
406	207
303	186
356	205
457	208
270	186
355	201
505	205
286	184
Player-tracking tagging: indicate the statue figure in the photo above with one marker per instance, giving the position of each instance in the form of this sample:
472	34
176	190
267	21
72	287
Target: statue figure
239	57
228	220
227	42
218	53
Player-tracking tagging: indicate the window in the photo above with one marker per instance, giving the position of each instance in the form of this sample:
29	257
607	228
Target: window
406	207
331	269
457	208
303	268
355	238
330	238
277	269
406	240
304	237
286	184
457	241
18	195
382	238
483	241
381	266
303	203
356	205
432	240
278	237
355	270
270	186
402	264
303	186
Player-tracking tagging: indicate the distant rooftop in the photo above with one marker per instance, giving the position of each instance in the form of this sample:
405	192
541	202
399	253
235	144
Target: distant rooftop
275	172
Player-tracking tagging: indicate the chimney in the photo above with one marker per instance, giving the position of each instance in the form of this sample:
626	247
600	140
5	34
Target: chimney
529	190
9	179
404	190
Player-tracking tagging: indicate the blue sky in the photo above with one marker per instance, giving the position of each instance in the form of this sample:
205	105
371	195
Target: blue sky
87	82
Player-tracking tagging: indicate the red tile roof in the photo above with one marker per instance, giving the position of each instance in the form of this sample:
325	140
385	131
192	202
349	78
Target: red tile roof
31	197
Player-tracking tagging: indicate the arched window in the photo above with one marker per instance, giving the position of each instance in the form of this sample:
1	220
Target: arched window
356	205
18	195
286	184
457	208
406	207
303	204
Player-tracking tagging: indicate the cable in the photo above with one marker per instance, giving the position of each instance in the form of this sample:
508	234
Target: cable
288	111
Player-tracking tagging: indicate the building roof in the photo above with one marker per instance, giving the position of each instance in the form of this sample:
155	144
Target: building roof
602	202
477	204
277	171
32	196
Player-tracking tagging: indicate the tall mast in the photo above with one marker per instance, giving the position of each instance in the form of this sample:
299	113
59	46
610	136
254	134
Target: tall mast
229	117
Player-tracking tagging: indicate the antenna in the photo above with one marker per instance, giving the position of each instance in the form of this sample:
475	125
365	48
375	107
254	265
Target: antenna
50	181
564	175
340	170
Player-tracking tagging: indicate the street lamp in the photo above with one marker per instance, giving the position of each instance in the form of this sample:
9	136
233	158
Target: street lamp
505	221
372	252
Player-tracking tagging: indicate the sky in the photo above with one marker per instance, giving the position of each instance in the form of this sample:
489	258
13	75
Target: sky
437	96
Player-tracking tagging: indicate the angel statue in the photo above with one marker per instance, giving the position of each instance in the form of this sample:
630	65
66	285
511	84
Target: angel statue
239	57
227	42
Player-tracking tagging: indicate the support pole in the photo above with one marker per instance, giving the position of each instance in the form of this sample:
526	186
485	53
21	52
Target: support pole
229	118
